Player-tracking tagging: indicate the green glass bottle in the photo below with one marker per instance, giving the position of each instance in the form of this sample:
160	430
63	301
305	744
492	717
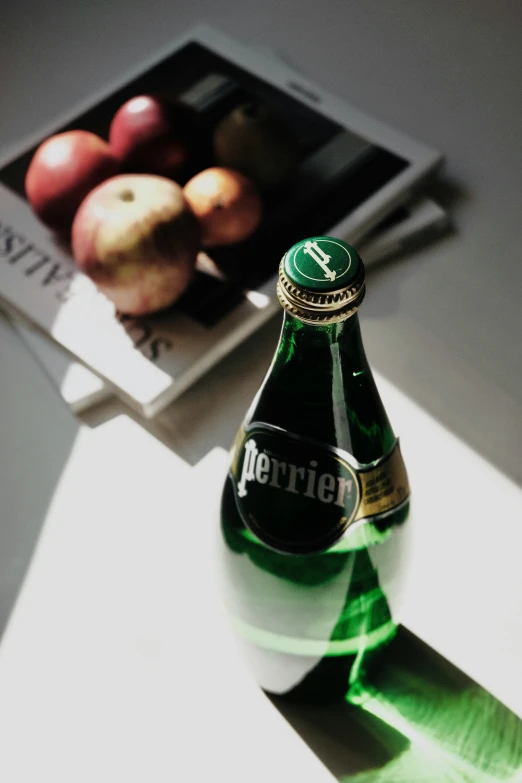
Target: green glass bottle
313	507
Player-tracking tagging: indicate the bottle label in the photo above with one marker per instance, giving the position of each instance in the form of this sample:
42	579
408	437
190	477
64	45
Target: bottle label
300	496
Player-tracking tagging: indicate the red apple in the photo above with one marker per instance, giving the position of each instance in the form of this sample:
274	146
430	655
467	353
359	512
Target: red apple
64	169
151	135
226	204
136	237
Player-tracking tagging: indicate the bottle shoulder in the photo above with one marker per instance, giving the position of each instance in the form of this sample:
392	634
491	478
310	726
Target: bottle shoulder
320	386
328	406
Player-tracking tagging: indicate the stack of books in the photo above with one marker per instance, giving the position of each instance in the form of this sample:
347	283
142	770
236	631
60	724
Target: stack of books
355	178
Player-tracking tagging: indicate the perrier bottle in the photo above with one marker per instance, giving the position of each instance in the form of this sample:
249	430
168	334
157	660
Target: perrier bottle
317	493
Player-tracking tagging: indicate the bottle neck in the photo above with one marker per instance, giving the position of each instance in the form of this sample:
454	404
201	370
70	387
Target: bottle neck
309	342
320	386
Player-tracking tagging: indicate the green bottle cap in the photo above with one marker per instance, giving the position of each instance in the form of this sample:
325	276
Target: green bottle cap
321	280
322	264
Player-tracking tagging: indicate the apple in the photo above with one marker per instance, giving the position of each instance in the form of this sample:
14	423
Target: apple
254	140
226	204
136	237
63	170
153	136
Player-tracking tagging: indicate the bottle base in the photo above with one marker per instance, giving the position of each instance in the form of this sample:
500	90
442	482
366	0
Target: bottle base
327	683
334	680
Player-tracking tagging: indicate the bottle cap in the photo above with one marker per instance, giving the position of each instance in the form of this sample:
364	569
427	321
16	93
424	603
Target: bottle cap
321	280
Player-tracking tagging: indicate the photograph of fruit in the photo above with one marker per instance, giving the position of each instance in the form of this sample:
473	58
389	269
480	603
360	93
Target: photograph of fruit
137	238
253	140
132	228
226	203
63	171
151	135
183	188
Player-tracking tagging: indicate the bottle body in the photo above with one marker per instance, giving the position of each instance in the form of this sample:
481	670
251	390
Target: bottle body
312	517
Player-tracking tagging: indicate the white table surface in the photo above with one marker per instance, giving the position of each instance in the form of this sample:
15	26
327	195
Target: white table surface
117	664
444	325
117	653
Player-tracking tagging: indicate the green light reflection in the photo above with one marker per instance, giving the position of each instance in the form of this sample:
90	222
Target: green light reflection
454	744
417	720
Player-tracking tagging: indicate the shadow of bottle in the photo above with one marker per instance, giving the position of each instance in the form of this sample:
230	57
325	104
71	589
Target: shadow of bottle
418	719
